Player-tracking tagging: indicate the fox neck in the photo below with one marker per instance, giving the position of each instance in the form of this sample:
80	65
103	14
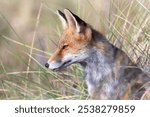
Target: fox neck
98	68
97	73
99	63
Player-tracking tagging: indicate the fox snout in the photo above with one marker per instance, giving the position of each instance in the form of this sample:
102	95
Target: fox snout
54	65
59	60
59	63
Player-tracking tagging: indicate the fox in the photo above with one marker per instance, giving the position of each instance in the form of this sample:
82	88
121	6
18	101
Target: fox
108	71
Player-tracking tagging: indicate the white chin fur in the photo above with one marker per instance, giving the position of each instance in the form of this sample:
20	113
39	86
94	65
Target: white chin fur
54	65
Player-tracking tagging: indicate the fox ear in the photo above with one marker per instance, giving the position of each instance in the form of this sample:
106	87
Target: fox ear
62	18
72	20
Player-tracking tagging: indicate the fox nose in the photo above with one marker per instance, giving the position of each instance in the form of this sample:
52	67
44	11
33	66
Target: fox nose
47	65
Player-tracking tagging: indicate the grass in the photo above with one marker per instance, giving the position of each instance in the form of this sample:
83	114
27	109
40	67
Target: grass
28	40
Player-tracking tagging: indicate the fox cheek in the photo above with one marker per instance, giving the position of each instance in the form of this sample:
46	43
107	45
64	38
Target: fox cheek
61	56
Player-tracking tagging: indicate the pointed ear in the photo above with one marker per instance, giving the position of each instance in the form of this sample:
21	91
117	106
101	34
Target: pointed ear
72	20
62	18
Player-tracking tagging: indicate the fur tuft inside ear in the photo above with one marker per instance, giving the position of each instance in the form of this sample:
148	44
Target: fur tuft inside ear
72	22
62	18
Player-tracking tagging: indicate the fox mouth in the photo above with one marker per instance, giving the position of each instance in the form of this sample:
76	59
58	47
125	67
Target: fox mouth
64	65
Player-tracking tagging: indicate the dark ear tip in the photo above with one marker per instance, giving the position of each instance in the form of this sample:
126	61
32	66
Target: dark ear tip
58	11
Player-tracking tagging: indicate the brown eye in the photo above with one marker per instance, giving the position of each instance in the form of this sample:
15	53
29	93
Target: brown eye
64	46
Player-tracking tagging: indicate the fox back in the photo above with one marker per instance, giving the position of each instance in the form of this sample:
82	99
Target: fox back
108	71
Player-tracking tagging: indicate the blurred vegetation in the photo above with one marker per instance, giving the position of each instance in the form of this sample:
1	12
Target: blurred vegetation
30	30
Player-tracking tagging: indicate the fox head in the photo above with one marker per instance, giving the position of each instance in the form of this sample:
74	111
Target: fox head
74	43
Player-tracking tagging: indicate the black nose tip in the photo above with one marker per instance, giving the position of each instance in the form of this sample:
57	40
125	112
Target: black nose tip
47	65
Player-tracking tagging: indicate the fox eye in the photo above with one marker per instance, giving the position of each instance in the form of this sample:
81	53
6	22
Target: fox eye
65	46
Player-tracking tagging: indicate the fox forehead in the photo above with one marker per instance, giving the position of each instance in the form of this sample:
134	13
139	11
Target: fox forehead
67	36
72	38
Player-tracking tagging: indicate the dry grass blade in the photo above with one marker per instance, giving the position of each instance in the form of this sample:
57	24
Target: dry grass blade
34	35
24	45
